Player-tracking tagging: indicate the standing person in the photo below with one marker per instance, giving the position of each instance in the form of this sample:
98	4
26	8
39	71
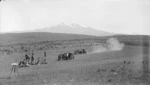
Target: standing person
27	58
32	58
44	58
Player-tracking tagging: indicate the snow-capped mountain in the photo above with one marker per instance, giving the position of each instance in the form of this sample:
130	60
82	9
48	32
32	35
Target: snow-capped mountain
73	29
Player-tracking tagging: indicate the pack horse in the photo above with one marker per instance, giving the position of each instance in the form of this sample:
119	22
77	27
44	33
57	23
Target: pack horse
65	56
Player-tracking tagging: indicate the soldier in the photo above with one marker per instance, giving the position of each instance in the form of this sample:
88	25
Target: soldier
45	54
44	58
32	58
27	58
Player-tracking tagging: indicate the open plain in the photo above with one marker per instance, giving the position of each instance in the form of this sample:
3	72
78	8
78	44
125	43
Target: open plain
109	61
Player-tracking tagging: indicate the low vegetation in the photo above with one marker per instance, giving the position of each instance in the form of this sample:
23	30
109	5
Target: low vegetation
104	61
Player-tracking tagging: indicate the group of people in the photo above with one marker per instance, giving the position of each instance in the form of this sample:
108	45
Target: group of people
30	60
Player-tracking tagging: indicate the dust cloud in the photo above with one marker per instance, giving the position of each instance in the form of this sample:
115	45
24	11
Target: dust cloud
112	44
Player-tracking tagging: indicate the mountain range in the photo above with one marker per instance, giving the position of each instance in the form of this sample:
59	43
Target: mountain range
73	29
61	31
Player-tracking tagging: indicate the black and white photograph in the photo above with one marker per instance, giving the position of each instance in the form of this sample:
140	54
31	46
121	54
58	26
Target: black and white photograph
74	42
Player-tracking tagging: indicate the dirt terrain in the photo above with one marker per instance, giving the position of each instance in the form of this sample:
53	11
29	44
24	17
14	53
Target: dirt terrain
100	66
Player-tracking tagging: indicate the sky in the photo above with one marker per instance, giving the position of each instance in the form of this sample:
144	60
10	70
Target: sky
118	16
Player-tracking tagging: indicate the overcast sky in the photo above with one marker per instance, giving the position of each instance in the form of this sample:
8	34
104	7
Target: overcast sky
120	16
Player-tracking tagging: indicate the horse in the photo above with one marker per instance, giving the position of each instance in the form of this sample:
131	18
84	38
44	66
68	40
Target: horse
65	56
82	51
59	57
62	57
70	56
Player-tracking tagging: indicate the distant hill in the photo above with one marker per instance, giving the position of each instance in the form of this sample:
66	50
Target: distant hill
33	37
73	29
28	37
